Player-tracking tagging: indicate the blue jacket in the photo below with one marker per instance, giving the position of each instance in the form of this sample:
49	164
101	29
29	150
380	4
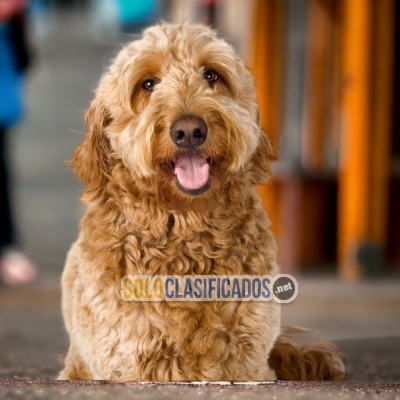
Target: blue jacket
11	80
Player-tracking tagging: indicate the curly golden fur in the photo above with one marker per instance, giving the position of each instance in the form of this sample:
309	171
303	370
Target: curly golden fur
139	221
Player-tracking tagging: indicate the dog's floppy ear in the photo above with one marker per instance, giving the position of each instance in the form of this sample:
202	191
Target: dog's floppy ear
260	162
92	160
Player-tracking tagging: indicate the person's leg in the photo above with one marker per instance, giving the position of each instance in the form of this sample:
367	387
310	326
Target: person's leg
15	267
7	238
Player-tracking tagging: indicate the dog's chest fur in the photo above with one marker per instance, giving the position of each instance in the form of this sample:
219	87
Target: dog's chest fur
171	340
146	239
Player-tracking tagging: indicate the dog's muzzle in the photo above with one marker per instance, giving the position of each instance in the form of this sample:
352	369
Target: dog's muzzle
192	171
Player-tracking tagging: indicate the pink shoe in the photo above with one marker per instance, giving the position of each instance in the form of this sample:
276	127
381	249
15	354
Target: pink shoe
16	269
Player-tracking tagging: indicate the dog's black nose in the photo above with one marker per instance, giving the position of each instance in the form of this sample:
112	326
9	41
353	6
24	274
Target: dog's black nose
189	132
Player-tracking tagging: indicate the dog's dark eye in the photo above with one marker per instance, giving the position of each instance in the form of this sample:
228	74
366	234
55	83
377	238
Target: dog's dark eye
149	84
210	76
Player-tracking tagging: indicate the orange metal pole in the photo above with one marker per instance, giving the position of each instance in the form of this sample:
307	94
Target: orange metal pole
355	146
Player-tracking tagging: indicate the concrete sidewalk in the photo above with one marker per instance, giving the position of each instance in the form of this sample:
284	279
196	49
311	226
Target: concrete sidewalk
33	342
278	390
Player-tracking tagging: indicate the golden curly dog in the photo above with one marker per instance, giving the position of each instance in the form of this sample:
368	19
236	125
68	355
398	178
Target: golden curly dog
171	161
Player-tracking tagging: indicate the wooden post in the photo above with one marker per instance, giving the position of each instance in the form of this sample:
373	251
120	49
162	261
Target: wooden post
290	219
267	63
382	123
267	67
355	136
365	131
319	38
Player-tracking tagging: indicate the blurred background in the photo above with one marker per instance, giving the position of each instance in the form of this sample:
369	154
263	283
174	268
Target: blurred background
326	78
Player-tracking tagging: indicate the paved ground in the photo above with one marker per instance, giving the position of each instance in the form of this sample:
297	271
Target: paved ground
367	331
363	319
279	390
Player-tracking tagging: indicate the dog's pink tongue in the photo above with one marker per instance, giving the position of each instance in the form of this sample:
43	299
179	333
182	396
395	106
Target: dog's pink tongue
192	171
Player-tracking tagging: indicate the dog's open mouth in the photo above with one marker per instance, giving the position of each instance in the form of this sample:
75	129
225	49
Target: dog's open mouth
192	173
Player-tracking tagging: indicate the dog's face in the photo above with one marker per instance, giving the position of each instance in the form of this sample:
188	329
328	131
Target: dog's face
178	108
